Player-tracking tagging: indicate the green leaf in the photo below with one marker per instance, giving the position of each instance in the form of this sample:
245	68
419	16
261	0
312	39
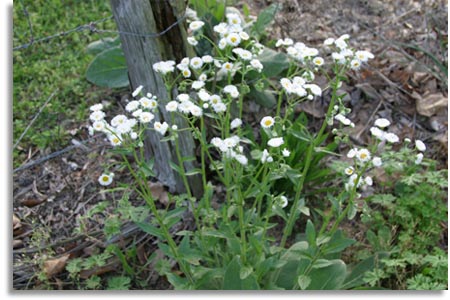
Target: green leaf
245	272
264	98
337	243
109	69
265	18
321	263
303	281
99	46
232	280
274	62
328	278
119	283
311	233
356	276
150	229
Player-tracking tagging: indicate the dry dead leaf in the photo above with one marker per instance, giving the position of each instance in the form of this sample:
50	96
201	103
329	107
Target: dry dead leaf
16	222
429	104
17	244
159	193
55	265
84	274
31	202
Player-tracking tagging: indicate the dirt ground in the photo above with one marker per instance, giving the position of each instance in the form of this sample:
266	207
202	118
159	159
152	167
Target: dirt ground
404	83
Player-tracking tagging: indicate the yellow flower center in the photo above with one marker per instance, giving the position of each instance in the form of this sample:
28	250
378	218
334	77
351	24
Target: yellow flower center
105	178
268	122
233	39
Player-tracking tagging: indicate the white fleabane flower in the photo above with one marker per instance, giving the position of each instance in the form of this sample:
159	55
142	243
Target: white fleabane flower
318	61
219	107
137	113
420	146
314	88
228	67
161	127
236	123
382	123
196	25
221	28
215	99
354	181
115	139
99	125
284	42
257	65
217	142
96	107
368	180
203	77
355	64
419	158
363	55
183	97
344	120
349	171
186	73
378	133
286	152
145	102
328	42
207	59
205	105
222	43
203	95
244	35
119	119
137	91
124	128
231	90
340	43
243	54
265	155
352	153
363	155
392	137
267	122
146	117
97	115
198	84
376	161
172	106
106	179
275	142
233	39
164	67
185	106
132	106
287	85
133	135
196	111
241	159
192	41
233	19
196	63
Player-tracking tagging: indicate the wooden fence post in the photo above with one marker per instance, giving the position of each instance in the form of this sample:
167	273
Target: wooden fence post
146	17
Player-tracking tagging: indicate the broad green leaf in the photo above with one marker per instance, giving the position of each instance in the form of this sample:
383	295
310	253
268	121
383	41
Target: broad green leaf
328	278
337	243
232	280
99	46
109	69
245	272
356	276
265	98
274	62
265	18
